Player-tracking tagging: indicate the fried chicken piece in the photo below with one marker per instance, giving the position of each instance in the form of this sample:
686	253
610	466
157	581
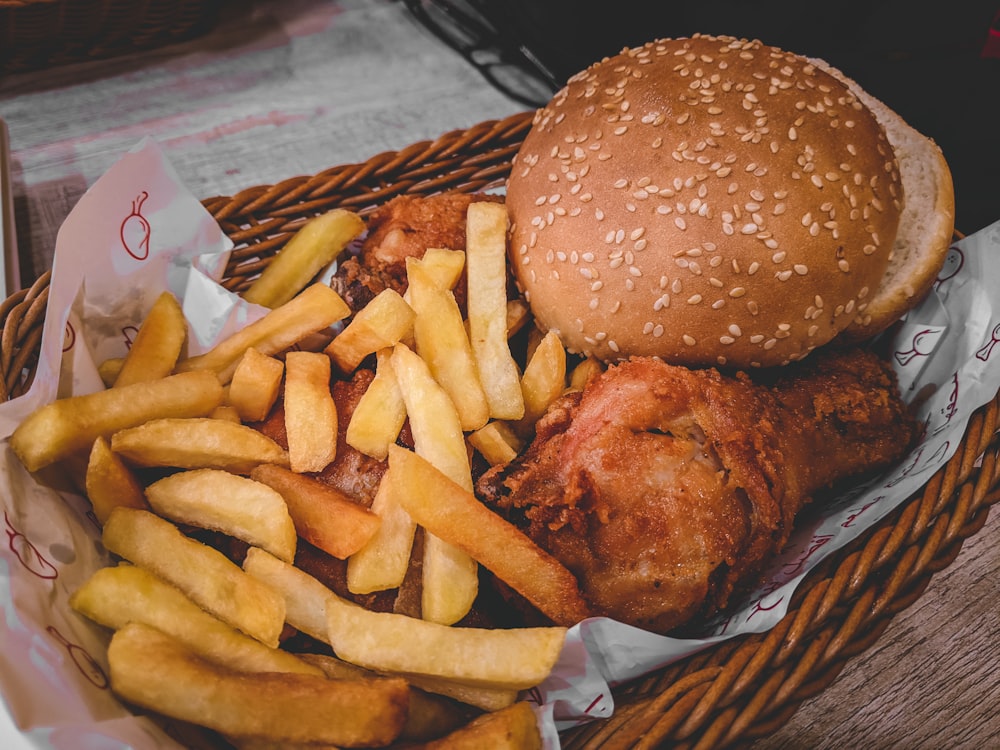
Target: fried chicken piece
665	490
404	227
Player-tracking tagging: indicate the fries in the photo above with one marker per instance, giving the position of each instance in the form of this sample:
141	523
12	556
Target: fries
154	670
322	515
114	597
310	412
382	563
512	728
109	483
442	265
450	577
315	309
486	269
455	515
544	379
309	251
516	659
207	576
220	501
379	324
255	385
69	425
441	341
497	442
380	413
198	444
157	346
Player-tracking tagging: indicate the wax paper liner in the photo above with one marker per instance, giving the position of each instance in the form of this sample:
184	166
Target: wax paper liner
138	231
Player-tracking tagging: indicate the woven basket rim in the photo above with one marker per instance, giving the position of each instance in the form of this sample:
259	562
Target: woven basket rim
729	694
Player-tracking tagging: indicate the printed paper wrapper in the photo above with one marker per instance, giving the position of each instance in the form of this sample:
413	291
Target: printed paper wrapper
138	231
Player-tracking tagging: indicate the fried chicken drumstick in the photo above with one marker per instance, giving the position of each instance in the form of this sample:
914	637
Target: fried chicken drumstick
665	490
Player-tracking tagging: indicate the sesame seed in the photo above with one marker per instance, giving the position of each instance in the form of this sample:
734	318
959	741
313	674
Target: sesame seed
689	340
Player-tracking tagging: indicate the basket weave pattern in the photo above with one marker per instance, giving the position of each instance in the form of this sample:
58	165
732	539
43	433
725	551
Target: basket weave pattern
726	696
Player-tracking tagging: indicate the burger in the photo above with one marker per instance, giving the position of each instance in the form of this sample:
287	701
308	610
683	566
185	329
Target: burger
715	201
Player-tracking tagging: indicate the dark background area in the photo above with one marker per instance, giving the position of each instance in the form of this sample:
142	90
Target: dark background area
936	64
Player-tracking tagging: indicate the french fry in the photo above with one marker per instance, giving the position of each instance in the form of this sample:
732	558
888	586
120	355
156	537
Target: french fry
236	506
441	341
311	249
322	515
207	576
379	414
486	270
316	308
109	369
511	728
453	514
116	596
197	444
517	658
450	577
255	385
443	265
544	379
379	324
383	562
71	425
154	670
310	412
158	345
497	442
583	372
518	315
430	715
486	698
227	413
109	483
304	596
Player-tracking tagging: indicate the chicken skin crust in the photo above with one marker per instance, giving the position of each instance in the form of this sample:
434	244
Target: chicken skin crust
665	490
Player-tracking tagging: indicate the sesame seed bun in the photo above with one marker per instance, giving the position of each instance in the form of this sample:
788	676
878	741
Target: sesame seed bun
716	201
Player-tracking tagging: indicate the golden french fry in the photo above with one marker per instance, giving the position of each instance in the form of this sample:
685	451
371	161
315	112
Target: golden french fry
441	341
453	514
158	345
497	442
517	658
443	265
110	483
310	412
155	671
518	315
236	506
197	444
430	715
486	270
511	728
116	596
109	369
544	378
316	308
227	413
382	563
486	698
583	372
311	249
379	324
255	385
207	576
70	425
304	596
379	414
322	515
450	577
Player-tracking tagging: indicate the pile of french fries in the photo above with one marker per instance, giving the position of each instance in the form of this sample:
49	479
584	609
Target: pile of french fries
168	447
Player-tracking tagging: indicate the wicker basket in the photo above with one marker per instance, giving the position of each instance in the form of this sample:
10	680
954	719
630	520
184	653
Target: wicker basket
41	33
726	696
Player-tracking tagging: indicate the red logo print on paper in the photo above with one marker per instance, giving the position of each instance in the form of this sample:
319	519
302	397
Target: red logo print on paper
987	350
69	337
921	345
82	660
135	230
27	554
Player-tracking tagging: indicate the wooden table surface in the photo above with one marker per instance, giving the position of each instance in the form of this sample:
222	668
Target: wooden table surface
281	89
